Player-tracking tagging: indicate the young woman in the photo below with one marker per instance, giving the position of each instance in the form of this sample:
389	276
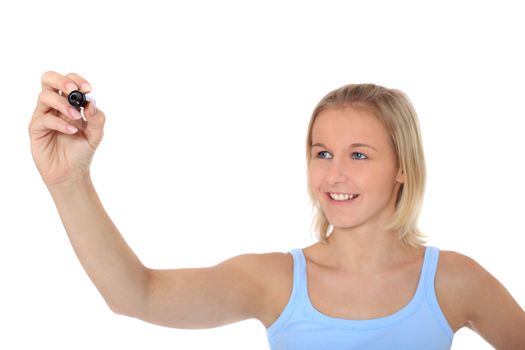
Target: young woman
369	283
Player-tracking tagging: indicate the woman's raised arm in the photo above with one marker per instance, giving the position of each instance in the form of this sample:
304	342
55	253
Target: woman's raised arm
181	298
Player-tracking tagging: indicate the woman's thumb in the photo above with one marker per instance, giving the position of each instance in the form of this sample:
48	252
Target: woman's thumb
94	130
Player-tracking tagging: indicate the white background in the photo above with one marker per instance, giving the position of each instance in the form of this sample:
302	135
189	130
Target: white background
207	107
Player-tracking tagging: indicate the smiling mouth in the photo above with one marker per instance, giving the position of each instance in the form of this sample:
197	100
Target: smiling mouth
339	202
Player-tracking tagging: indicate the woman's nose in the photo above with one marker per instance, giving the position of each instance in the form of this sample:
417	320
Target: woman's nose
337	172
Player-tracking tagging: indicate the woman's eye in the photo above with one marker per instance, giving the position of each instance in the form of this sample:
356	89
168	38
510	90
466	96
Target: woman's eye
359	153
321	152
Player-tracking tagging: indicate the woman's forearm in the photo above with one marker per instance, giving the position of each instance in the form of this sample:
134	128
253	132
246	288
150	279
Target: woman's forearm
110	263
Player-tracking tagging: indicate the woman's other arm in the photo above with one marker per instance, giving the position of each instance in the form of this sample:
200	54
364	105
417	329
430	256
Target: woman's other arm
488	308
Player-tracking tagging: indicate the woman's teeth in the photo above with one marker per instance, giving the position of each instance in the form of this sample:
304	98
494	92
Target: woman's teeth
342	197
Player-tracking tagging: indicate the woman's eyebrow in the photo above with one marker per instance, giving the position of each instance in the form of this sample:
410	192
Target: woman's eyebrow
353	145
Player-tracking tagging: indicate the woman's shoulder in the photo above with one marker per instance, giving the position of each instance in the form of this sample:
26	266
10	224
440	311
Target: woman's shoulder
275	268
458	269
486	305
273	260
457	276
274	272
266	267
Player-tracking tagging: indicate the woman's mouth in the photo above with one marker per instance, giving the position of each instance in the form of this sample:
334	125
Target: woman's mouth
342	200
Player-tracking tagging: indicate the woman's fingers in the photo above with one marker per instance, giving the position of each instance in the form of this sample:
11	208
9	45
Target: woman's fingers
51	122
82	83
94	128
68	120
48	100
56	82
91	109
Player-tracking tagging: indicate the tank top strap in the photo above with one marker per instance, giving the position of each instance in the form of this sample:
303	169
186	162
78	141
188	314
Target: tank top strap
299	274
428	272
429	276
298	292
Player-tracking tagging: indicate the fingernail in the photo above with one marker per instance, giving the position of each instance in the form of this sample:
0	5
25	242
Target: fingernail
74	113
70	87
71	129
85	87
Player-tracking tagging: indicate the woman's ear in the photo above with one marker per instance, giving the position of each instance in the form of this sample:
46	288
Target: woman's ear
400	176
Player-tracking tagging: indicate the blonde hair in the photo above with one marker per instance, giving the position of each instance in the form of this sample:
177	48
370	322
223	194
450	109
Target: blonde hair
394	109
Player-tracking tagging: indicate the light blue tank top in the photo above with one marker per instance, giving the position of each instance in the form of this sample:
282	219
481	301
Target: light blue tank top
418	325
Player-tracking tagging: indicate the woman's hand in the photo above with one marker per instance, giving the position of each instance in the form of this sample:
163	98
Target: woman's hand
62	155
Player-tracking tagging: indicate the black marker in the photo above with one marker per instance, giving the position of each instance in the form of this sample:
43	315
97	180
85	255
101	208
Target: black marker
78	99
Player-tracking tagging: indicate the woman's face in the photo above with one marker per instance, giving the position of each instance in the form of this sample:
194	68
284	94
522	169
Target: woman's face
340	166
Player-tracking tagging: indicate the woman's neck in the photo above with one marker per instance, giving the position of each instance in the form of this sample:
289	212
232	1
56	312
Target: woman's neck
365	252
